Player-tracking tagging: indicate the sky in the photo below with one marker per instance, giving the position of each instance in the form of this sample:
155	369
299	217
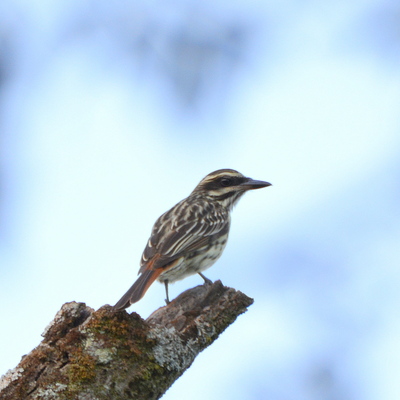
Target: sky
112	113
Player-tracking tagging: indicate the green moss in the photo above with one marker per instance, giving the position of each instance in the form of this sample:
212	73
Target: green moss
81	368
126	333
119	340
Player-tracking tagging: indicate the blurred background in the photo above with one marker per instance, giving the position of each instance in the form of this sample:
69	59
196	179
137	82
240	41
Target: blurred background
112	112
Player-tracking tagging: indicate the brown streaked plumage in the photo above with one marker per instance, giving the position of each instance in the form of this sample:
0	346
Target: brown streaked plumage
192	235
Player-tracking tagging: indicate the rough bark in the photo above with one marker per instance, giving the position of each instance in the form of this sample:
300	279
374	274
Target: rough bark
88	355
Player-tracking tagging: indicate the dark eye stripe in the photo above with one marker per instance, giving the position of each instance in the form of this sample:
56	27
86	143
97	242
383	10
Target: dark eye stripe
216	183
227	182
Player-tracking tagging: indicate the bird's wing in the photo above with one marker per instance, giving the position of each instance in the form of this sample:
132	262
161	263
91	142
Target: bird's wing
186	227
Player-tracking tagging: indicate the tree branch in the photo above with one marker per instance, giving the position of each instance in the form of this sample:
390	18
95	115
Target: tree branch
87	354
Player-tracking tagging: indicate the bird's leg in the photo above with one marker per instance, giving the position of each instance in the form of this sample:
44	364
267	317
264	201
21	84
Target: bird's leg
166	291
206	280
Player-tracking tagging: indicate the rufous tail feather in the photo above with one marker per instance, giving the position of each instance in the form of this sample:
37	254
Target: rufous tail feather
138	289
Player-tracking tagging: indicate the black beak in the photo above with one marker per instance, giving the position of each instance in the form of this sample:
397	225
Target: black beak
251	184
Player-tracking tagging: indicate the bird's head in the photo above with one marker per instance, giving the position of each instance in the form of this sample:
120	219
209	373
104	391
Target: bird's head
227	186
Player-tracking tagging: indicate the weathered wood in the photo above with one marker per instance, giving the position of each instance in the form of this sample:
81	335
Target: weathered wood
87	354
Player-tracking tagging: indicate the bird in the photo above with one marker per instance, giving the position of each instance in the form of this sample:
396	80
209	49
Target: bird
192	235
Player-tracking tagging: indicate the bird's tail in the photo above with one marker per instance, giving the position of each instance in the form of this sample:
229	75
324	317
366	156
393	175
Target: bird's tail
138	289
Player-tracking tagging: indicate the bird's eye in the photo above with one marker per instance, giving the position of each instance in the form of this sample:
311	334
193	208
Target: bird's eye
226	182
